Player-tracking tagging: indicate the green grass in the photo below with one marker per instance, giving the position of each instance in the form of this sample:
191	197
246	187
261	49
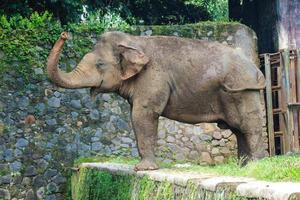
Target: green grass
146	188
110	159
91	184
278	168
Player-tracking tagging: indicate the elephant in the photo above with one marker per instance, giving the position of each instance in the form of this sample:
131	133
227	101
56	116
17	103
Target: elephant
188	80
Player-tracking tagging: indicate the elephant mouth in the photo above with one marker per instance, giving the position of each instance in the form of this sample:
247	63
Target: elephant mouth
95	90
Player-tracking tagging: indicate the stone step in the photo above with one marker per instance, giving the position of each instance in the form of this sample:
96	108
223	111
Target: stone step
209	186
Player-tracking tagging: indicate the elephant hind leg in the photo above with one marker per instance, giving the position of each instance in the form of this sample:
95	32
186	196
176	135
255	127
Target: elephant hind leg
249	141
250	145
243	147
247	124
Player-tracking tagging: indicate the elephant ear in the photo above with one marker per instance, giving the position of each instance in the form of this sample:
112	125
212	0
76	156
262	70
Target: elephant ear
133	60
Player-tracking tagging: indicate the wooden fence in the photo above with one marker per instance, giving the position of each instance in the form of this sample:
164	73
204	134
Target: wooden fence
282	72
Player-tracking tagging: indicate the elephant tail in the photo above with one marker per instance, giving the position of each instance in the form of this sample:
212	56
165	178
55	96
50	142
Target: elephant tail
228	89
260	85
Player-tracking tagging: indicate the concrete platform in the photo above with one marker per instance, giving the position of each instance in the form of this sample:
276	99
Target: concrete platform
218	187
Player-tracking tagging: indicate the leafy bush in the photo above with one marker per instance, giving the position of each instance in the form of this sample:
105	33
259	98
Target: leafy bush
22	42
99	21
65	11
149	12
217	9
25	43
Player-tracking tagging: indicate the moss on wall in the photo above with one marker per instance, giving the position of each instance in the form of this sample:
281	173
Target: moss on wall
146	188
231	33
190	30
89	184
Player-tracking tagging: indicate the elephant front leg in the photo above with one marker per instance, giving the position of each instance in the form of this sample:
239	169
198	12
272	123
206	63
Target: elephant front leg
145	124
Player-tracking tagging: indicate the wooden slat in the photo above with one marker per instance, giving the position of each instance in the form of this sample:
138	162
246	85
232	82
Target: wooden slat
294	106
276	110
276	133
295	141
269	104
281	103
298	98
289	120
276	87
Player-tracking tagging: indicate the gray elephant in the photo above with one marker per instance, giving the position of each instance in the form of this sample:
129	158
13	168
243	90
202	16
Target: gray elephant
187	80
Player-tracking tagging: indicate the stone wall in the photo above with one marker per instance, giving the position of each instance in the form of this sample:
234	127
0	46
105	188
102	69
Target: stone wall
43	128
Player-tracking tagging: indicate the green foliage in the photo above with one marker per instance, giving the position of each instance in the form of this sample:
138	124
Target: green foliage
22	41
100	20
191	189
148	12
65	11
282	168
217	9
150	189
26	42
167	12
91	184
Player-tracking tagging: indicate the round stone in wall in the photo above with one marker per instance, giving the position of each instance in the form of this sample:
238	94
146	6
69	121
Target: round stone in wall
29	195
226	133
217	135
54	102
94	114
4	194
30	171
21	143
219	159
206	158
76	104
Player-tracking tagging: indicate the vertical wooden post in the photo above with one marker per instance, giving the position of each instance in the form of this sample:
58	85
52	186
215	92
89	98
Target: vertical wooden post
288	139
294	112
281	103
269	105
298	96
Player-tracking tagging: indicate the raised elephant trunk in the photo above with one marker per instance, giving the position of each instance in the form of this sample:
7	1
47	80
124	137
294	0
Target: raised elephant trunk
80	77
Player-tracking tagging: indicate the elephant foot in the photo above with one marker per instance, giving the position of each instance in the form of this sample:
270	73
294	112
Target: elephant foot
146	164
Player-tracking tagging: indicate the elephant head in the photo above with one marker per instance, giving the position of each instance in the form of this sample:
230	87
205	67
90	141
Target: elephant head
115	59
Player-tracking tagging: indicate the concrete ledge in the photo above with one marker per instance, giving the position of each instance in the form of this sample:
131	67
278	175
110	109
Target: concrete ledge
207	186
268	190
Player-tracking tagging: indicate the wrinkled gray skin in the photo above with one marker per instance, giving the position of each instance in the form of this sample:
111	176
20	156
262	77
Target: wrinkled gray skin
186	80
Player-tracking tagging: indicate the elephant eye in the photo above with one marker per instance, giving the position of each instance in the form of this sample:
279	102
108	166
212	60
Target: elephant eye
100	64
